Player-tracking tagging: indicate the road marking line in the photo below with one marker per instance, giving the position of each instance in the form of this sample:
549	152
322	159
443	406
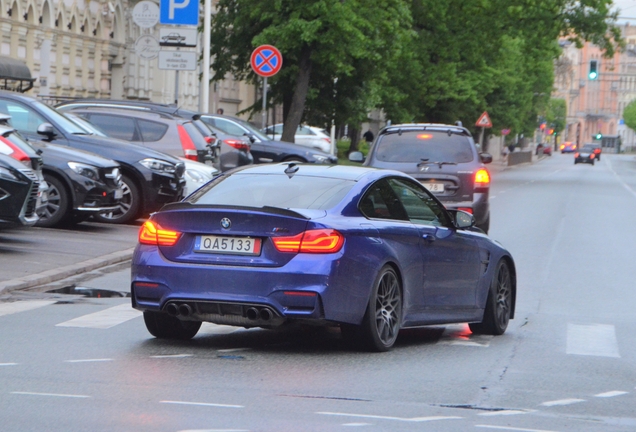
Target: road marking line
562	402
413	419
172	356
512	428
215	430
8	364
611	394
23	305
202	404
592	340
357	424
50	394
505	413
88	360
104	319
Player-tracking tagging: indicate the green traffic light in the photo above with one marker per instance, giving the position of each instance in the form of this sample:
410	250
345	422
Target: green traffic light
593	75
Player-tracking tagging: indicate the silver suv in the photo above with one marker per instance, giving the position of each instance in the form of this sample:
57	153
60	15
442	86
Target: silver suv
444	158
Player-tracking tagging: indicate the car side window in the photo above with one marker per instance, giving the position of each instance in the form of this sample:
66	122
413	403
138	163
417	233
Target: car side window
23	118
380	202
420	206
229	128
304	130
116	126
151	131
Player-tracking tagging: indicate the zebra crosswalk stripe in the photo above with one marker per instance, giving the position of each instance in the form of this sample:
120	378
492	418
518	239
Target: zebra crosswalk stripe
104	319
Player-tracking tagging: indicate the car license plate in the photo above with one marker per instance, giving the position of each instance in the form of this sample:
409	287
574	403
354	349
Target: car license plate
228	245
119	193
434	187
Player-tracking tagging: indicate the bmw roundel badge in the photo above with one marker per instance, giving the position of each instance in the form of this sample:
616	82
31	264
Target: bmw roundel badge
226	223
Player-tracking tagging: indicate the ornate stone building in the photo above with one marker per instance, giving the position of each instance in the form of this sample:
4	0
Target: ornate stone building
86	48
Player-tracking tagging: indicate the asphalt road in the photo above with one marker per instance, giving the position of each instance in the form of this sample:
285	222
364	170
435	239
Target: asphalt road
566	363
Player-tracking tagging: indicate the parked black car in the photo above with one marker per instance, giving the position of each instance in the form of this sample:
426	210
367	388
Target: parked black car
234	150
444	158
18	193
264	149
149	178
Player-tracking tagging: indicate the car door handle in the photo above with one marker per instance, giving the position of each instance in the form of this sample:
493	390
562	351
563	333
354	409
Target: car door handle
428	237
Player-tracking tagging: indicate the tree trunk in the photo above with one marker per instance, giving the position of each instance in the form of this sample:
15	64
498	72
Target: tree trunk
297	106
354	135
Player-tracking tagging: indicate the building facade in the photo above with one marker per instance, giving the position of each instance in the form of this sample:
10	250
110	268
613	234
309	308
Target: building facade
595	105
86	48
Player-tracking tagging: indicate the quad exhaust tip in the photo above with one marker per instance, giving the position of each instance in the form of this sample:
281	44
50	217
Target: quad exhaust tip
252	313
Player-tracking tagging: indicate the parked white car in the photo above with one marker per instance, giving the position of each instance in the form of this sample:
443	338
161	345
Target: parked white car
197	174
308	136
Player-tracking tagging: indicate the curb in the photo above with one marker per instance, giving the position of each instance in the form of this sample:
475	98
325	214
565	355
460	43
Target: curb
59	273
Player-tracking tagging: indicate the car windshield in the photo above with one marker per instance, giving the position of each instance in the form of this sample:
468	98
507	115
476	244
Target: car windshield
416	146
274	190
59	118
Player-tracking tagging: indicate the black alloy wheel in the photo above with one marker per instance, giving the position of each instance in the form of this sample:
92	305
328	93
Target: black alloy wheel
383	318
57	206
498	304
129	206
164	326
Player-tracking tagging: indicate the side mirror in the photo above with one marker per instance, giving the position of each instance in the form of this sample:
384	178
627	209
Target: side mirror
485	157
356	156
251	137
47	130
462	219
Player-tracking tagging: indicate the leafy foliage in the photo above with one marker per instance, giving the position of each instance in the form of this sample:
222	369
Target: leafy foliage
629	115
417	60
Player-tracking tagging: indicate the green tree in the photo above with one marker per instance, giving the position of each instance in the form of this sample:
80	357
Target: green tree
629	115
556	114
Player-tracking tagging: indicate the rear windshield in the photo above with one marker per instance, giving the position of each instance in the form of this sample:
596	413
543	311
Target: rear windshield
587	149
413	146
274	190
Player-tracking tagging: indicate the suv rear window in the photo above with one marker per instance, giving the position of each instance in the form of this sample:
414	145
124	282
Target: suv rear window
413	146
298	192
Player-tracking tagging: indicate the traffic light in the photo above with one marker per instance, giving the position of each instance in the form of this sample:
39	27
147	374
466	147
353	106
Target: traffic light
598	136
593	74
554	132
551	132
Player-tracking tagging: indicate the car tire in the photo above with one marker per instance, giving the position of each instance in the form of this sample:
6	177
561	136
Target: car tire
58	206
498	305
129	207
164	326
381	323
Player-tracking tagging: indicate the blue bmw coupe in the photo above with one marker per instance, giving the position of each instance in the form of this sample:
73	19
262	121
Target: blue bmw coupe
369	250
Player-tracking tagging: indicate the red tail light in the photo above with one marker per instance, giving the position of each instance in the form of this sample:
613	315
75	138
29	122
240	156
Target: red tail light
237	144
466	209
16	152
592	156
210	139
189	149
576	155
152	234
327	139
482	178
312	241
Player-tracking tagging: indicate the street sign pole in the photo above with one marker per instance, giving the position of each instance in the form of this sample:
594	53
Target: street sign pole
205	85
264	102
176	86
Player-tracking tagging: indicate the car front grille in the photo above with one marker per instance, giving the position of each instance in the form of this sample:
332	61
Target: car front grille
28	211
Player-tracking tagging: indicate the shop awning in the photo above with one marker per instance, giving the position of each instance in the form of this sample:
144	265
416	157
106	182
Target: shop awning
15	75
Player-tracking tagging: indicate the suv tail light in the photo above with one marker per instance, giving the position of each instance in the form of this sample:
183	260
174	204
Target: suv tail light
312	241
152	234
189	150
237	144
482	178
576	154
15	152
210	140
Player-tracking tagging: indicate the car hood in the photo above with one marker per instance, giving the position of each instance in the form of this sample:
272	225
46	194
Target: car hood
57	155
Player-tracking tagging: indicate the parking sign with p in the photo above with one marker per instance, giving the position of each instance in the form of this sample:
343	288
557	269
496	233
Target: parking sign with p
179	12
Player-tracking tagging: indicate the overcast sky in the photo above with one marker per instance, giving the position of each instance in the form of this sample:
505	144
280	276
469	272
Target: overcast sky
627	8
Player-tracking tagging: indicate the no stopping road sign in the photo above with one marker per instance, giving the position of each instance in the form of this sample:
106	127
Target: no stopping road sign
266	60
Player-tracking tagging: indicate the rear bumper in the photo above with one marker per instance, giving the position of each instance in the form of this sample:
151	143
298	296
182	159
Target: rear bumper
309	288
